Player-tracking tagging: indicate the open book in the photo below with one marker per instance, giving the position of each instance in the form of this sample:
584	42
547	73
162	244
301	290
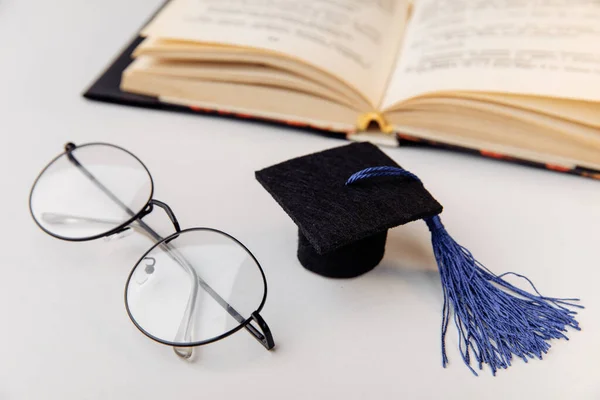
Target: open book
518	79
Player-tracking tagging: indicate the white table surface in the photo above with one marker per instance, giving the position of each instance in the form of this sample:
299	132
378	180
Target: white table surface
64	332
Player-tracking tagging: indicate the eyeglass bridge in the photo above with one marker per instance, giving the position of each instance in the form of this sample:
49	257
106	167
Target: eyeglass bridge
167	210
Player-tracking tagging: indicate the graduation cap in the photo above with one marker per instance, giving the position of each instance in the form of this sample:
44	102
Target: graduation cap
345	199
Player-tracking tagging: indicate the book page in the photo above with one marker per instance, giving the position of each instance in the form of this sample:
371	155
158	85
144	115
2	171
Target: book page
354	40
533	47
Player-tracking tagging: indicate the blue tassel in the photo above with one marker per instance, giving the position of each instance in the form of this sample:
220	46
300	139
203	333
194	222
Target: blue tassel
495	320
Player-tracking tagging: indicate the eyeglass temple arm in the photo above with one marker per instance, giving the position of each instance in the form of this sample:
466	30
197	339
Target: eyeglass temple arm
64	219
266	340
69	147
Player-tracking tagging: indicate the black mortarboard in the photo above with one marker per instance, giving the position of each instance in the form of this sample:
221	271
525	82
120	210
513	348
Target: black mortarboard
342	229
345	199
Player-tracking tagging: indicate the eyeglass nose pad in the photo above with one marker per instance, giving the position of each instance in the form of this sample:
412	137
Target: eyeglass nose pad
142	275
184	352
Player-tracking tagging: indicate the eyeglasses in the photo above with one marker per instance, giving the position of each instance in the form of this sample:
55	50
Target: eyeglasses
191	288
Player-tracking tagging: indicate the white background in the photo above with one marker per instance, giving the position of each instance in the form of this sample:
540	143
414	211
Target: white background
64	332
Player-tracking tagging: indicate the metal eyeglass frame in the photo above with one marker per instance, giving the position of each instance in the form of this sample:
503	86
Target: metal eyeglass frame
183	349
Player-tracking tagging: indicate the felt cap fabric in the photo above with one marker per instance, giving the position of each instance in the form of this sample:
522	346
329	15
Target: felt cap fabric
330	215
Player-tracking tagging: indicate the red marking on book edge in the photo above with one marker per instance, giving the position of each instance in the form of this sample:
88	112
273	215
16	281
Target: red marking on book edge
295	123
591	175
257	118
406	137
492	154
558	168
